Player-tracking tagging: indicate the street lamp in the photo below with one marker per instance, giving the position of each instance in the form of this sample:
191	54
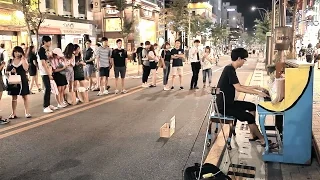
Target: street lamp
253	8
233	18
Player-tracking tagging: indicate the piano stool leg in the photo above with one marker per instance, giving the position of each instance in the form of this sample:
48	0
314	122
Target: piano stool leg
217	128
230	136
234	127
229	143
209	137
262	119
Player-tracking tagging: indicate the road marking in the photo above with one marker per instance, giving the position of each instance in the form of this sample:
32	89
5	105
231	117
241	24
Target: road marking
75	110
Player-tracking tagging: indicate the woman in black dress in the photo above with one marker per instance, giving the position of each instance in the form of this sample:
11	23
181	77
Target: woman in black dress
18	65
33	68
78	69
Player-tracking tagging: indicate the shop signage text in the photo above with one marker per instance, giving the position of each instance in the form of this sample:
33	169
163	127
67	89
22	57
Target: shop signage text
96	6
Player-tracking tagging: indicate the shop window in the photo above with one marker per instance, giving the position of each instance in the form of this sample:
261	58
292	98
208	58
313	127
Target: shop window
67	7
50	4
82	7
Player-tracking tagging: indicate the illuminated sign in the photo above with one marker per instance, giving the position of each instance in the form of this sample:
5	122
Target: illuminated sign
112	25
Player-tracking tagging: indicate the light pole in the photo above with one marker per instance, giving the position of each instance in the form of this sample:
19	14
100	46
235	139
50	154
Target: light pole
253	8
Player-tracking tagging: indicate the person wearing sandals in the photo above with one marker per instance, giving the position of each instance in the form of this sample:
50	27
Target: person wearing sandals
2	88
153	59
166	58
18	65
206	63
33	68
70	62
229	84
78	70
59	75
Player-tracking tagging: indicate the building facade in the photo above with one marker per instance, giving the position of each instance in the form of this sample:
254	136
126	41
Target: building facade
13	31
145	28
67	21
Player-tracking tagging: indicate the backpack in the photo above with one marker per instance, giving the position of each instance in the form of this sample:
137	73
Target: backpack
213	172
145	57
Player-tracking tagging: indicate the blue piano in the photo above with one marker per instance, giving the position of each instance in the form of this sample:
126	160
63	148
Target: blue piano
291	100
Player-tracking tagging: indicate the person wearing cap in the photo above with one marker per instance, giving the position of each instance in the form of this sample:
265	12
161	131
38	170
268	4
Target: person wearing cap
59	75
104	64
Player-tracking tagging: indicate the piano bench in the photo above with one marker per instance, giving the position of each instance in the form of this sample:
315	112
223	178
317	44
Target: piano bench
215	117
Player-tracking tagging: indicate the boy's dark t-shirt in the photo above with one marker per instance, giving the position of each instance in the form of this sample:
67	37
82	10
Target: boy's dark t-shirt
139	51
119	57
227	79
166	54
88	53
42	54
177	62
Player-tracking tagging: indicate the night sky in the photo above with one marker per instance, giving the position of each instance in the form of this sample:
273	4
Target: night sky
244	6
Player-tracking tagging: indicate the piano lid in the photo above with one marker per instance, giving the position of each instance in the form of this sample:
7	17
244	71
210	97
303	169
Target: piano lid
298	63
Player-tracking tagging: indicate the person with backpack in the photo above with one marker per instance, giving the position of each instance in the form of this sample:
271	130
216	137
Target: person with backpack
2	88
145	64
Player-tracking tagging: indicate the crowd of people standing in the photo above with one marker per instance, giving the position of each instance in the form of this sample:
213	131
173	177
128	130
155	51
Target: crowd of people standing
65	72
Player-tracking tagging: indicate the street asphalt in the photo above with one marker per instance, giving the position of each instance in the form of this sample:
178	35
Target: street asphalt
114	137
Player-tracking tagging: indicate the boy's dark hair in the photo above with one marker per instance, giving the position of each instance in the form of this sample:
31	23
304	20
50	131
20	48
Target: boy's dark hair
98	44
23	44
89	41
147	43
46	39
118	40
155	44
239	53
104	39
2	45
177	40
141	44
196	41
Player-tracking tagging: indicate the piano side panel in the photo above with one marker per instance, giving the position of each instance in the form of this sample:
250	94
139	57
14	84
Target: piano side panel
297	129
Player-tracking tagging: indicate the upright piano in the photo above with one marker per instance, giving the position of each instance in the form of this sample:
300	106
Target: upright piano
291	100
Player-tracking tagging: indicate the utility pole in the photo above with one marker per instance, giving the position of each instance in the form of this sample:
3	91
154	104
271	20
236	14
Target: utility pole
273	26
282	8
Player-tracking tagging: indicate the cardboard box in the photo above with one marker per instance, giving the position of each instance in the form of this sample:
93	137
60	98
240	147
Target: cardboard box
167	129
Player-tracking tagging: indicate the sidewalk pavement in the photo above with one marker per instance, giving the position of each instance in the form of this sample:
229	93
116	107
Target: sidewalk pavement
249	154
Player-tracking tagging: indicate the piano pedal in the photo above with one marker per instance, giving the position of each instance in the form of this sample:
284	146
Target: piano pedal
216	130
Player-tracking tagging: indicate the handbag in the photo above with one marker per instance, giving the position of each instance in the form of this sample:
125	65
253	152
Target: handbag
54	88
14	79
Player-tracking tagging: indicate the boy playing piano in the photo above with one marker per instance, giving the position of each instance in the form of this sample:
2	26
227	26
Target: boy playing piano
228	84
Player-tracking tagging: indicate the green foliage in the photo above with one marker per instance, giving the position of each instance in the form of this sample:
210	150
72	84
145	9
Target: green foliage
127	23
177	15
200	25
219	33
32	15
262	27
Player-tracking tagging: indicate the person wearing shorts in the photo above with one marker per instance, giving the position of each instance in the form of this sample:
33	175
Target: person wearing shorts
88	57
2	88
177	63
119	59
104	64
229	84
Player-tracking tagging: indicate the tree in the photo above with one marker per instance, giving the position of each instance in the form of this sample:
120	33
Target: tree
177	16
127	21
292	47
218	34
32	16
262	27
200	25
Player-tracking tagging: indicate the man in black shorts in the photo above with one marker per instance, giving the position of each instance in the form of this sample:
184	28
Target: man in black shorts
228	84
119	59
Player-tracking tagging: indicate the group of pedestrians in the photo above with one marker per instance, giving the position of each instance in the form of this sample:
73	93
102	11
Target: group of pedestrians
64	73
172	60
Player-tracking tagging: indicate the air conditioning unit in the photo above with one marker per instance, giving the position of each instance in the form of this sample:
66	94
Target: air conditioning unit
50	11
67	14
82	16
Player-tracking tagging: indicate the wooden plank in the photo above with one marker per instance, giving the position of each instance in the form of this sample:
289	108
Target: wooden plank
218	147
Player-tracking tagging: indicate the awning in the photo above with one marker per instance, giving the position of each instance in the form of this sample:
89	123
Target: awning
49	30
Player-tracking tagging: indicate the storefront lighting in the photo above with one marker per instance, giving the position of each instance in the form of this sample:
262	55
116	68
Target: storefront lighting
19	14
231	9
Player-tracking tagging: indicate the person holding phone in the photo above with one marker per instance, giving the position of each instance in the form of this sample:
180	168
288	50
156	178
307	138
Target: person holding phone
19	66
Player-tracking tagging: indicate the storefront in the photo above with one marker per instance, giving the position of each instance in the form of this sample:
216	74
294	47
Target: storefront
12	29
148	26
64	32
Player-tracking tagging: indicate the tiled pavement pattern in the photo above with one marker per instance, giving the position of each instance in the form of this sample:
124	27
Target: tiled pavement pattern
245	153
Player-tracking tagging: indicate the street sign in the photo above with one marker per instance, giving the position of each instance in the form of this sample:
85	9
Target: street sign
283	37
96	6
